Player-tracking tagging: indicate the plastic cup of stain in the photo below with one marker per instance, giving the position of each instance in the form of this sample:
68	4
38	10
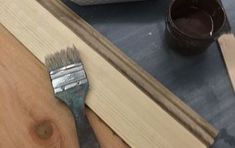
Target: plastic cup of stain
192	25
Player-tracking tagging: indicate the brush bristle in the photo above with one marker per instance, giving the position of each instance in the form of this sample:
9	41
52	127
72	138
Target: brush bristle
63	58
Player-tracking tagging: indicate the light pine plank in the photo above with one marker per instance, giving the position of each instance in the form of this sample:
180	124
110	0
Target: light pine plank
106	137
147	83
125	108
25	103
227	45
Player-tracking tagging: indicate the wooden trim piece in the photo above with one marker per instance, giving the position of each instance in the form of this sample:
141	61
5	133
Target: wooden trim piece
129	111
136	74
227	45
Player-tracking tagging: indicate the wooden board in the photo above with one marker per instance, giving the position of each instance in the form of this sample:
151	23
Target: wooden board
128	110
23	111
227	45
167	100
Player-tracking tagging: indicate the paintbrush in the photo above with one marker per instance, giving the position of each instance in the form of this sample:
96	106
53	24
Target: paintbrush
71	86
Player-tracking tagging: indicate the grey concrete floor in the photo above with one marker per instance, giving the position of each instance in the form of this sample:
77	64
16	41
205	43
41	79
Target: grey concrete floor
201	81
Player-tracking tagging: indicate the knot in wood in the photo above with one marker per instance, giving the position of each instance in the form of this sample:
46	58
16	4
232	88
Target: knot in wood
44	130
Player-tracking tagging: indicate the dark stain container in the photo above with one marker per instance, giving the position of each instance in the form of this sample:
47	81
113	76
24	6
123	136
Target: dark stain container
192	25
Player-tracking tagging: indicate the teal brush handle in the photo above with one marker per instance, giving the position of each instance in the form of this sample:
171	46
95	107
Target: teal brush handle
74	98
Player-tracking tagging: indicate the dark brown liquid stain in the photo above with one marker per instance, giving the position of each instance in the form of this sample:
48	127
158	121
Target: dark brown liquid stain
195	22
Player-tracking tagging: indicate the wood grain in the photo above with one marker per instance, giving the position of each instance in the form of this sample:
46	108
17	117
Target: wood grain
227	45
166	99
27	101
106	137
124	107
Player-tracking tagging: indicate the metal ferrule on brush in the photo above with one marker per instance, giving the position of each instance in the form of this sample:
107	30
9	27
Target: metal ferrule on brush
68	77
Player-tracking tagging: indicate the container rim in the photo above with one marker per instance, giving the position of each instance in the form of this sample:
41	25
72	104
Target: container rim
169	19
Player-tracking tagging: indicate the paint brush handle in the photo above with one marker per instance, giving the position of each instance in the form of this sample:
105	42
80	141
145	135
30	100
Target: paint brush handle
86	135
74	98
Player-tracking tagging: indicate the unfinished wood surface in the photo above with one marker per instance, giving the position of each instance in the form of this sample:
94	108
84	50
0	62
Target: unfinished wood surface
106	137
27	101
166	99
124	107
227	45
